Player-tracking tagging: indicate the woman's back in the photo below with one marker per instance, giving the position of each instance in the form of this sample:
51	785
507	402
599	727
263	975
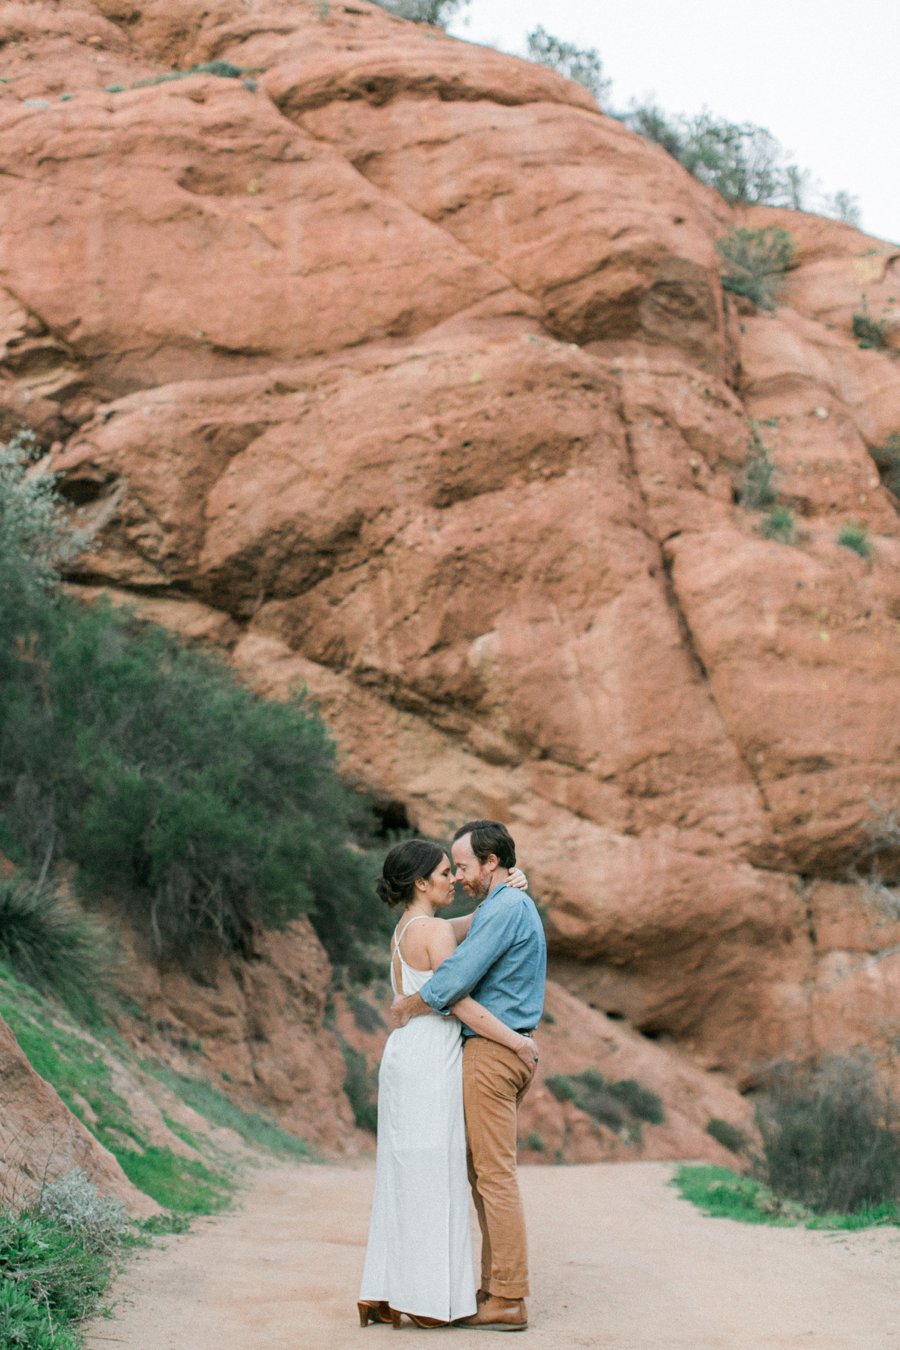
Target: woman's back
410	963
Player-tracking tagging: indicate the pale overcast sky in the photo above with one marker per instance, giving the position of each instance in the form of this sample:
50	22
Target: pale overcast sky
822	75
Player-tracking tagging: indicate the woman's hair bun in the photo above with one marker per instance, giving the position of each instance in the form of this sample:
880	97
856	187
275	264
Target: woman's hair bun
388	892
402	868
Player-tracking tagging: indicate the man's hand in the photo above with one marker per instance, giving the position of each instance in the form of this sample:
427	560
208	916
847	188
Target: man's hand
527	1052
399	1013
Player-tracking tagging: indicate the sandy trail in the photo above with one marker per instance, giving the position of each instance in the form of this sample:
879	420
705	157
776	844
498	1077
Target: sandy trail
619	1261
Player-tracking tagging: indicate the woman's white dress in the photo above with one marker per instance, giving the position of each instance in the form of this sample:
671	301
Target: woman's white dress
419	1257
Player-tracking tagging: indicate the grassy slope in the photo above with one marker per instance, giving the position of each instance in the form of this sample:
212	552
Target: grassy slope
81	1070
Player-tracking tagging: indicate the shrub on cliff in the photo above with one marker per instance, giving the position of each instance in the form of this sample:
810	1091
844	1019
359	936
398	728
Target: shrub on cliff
437	12
743	162
753	262
203	809
51	946
582	64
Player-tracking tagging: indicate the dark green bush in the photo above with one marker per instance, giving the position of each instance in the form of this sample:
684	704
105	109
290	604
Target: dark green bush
620	1105
437	12
640	1101
887	461
855	536
757	487
204	809
753	261
361	1087
582	64
868	331
779	524
743	162
831	1137
726	1134
51	946
365	1015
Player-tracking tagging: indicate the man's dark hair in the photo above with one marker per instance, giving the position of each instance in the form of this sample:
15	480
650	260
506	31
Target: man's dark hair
489	836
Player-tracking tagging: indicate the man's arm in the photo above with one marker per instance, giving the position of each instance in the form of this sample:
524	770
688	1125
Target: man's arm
488	939
404	1007
440	946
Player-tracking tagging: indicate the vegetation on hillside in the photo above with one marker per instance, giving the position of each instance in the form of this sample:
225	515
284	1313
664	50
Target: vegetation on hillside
437	12
754	261
203	810
743	162
830	1152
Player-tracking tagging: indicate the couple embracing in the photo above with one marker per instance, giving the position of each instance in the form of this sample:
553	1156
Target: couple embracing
468	995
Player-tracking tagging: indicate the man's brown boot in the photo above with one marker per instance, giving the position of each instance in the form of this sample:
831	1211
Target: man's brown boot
498	1314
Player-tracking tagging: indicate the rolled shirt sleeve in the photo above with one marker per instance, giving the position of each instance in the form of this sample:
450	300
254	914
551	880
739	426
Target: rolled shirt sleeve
493	932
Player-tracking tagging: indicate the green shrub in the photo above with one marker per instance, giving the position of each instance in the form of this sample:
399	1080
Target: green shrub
27	1323
742	161
203	809
49	1279
640	1101
36	534
831	1137
437	12
650	121
726	1134
581	64
535	1142
53	948
856	537
753	261
757	488
868	331
887	461
361	1087
365	1015
620	1105
780	525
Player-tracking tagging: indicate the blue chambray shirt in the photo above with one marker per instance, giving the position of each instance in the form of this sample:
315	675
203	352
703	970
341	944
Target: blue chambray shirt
502	962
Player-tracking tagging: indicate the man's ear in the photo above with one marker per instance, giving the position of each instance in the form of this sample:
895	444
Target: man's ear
492	862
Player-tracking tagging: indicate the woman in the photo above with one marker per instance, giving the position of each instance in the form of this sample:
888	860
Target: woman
419	1257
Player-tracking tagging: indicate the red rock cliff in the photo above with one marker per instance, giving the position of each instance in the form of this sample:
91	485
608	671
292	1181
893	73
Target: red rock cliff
400	370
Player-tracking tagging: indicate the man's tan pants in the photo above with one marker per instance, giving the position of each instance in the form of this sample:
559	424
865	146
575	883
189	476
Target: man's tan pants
494	1082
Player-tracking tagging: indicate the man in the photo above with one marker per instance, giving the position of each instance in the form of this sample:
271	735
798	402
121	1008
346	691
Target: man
503	964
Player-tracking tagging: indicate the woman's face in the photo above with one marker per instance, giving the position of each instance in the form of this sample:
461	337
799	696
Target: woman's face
438	889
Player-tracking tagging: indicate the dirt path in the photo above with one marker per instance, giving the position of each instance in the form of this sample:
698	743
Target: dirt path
620	1262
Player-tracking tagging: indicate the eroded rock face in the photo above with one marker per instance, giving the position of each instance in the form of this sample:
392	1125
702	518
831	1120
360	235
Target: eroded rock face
254	1028
407	375
41	1140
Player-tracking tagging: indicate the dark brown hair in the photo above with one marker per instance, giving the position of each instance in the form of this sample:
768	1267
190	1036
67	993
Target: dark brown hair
489	836
403	866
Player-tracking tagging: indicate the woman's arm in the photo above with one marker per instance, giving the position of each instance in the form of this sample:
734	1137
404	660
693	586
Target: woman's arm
440	945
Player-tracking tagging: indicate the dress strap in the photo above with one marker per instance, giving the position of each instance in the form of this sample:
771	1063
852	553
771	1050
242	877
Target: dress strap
399	937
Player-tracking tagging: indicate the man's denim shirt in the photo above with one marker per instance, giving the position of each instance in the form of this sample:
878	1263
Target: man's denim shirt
502	962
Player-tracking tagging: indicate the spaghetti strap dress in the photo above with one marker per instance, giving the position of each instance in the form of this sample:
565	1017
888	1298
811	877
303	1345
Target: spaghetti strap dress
419	1254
